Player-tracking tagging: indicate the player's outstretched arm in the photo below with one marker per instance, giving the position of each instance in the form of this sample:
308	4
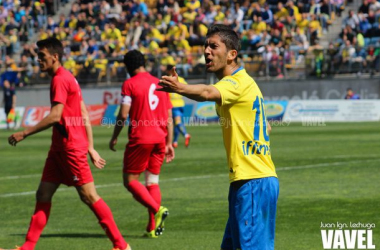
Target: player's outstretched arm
120	120
14	100
269	127
53	117
98	161
169	150
198	92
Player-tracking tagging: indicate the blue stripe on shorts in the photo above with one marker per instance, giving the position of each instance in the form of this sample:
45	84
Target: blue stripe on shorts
177	112
252	215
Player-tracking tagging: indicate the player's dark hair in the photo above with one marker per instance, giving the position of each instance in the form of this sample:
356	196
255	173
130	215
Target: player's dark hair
133	60
53	45
169	67
227	35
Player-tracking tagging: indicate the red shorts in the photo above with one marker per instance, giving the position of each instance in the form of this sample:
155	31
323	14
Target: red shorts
67	167
141	157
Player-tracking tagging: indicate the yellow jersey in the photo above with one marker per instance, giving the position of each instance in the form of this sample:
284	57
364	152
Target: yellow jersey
244	128
176	99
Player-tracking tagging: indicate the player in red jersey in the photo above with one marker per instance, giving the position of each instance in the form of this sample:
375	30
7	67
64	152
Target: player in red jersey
71	141
150	137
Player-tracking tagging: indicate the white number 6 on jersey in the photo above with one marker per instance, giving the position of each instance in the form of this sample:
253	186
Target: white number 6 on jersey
153	99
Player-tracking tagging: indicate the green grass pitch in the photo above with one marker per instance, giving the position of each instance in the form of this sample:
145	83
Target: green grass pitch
327	174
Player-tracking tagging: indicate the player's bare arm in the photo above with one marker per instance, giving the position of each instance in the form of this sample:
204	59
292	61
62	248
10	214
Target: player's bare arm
120	120
198	92
53	117
269	127
96	159
14	100
169	150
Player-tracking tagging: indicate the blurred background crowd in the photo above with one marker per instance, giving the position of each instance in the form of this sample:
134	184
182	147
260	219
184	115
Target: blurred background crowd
280	38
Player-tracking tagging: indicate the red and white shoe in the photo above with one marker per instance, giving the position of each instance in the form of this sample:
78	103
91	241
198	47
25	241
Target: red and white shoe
187	140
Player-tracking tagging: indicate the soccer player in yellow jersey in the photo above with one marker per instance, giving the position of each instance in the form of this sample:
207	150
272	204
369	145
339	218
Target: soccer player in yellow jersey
178	109
254	186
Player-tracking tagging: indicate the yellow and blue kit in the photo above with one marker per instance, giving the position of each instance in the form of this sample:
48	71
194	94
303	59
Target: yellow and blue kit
254	185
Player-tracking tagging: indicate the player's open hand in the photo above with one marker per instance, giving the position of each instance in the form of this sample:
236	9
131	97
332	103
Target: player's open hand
169	153
98	161
112	144
16	137
170	83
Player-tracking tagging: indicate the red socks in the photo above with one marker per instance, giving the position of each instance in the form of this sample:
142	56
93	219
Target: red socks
142	195
106	221
37	225
101	210
154	191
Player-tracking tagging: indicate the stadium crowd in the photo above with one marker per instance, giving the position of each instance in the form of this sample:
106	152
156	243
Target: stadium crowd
96	34
359	40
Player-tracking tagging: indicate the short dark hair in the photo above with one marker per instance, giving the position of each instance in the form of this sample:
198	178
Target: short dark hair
53	45
228	36
133	60
169	67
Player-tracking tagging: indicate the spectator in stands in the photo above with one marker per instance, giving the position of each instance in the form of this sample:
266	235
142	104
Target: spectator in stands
373	59
51	23
100	65
347	53
180	26
324	15
265	38
267	15
293	13
133	35
299	43
338	6
3	12
352	20
350	95
193	4
40	14
364	8
348	34
237	15
24	29
220	15
25	69
333	58
375	6
115	10
364	24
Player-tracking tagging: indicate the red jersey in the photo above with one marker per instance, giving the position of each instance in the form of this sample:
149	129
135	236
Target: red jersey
148	116
70	132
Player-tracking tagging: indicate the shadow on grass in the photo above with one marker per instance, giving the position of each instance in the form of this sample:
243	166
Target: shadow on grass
81	235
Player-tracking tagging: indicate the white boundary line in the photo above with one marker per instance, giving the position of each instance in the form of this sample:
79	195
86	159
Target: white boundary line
20	177
320	165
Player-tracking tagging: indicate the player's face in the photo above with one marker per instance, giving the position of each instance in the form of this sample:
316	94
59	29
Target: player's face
46	60
215	54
